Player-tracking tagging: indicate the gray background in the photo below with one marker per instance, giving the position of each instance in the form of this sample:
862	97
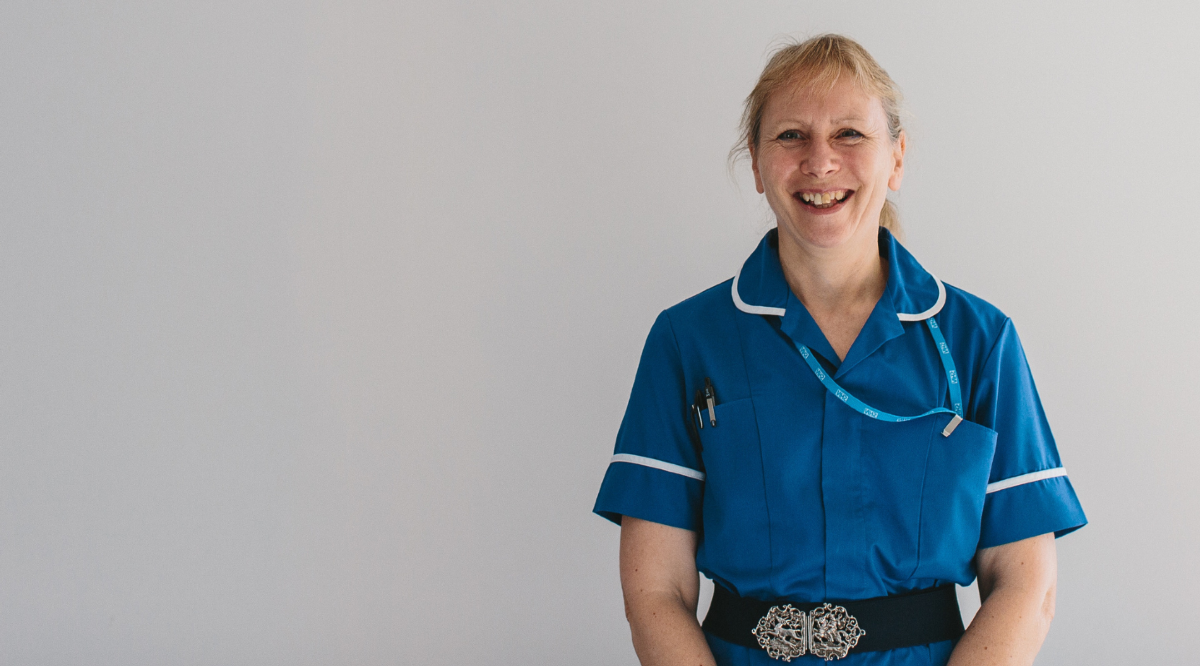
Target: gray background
317	320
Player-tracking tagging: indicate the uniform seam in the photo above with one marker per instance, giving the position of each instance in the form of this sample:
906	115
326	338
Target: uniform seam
977	371
921	507
758	436
674	338
693	437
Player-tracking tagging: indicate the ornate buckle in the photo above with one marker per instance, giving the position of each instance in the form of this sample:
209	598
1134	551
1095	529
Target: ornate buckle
783	632
832	632
828	632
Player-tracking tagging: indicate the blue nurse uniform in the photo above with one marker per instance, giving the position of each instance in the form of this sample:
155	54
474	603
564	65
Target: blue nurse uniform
795	494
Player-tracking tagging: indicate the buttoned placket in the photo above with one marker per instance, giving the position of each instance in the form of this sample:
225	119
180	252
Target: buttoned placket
846	539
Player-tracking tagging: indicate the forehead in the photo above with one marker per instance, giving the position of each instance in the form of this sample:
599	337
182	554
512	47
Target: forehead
807	101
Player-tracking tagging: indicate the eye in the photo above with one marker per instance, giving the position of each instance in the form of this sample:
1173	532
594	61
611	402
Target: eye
850	134
789	135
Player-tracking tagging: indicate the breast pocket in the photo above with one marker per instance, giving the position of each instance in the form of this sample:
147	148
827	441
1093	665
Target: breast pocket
956	478
735	539
891	474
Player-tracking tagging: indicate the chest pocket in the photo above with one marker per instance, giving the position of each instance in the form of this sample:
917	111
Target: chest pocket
956	477
922	496
735	540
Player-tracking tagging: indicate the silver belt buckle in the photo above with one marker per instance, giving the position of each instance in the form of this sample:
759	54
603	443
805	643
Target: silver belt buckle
828	632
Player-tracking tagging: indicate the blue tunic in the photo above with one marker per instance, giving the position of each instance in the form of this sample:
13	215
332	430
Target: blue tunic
794	495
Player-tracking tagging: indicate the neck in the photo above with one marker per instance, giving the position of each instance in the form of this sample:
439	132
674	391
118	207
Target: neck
838	279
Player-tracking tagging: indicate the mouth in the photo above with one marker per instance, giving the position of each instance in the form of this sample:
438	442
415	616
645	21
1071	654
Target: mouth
823	200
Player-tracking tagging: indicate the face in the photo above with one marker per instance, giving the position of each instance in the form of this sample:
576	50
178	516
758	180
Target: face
825	161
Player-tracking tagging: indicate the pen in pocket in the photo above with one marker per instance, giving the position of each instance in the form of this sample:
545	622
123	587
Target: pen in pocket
705	398
710	397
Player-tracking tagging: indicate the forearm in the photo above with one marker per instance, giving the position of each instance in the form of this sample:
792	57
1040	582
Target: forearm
1008	629
665	631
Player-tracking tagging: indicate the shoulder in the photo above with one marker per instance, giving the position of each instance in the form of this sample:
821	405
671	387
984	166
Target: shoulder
968	315
698	327
983	338
708	314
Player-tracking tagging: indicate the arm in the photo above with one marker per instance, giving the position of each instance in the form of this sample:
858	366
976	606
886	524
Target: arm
661	588
1016	584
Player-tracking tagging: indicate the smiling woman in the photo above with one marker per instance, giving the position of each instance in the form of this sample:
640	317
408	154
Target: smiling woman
815	67
835	436
822	151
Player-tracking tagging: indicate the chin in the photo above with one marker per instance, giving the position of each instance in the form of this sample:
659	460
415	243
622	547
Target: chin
825	234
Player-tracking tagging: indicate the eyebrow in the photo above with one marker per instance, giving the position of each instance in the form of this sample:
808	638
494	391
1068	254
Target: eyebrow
835	121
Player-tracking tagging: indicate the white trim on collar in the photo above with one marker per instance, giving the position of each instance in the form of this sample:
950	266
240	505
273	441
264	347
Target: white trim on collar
937	307
753	309
779	312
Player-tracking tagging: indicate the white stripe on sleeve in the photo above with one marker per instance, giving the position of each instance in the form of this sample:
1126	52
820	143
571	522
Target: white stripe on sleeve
658	464
1021	480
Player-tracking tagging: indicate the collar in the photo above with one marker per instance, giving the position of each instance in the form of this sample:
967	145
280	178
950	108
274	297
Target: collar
911	294
914	293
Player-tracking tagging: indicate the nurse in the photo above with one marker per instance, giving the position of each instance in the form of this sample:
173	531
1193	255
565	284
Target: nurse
835	436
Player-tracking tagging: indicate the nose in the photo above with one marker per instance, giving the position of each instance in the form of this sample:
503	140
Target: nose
820	160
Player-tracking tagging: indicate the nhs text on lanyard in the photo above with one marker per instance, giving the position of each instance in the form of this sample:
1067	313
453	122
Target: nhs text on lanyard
862	407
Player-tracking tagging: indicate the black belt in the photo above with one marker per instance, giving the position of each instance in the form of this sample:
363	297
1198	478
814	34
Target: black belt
788	629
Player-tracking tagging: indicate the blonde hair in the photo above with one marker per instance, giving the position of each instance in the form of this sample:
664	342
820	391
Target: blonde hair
819	62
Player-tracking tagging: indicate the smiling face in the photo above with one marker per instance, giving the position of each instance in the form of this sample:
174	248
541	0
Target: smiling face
825	161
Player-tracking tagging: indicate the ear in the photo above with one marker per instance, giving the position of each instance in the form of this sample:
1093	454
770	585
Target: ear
898	147
758	183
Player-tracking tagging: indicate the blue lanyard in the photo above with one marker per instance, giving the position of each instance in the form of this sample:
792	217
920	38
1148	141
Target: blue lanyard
862	407
948	364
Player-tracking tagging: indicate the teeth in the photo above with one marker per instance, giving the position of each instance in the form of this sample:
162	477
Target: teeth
823	198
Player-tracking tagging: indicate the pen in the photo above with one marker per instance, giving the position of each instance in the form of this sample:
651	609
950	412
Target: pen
696	408
710	396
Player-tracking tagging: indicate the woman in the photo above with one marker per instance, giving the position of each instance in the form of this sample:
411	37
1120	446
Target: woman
835	424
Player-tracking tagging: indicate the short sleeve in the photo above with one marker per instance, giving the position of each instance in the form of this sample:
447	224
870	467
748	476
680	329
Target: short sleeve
655	473
1028	492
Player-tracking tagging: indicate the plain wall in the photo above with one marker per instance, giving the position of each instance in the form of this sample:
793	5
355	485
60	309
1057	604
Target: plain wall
317	320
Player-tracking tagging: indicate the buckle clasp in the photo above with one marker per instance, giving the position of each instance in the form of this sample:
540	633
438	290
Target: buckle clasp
828	632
